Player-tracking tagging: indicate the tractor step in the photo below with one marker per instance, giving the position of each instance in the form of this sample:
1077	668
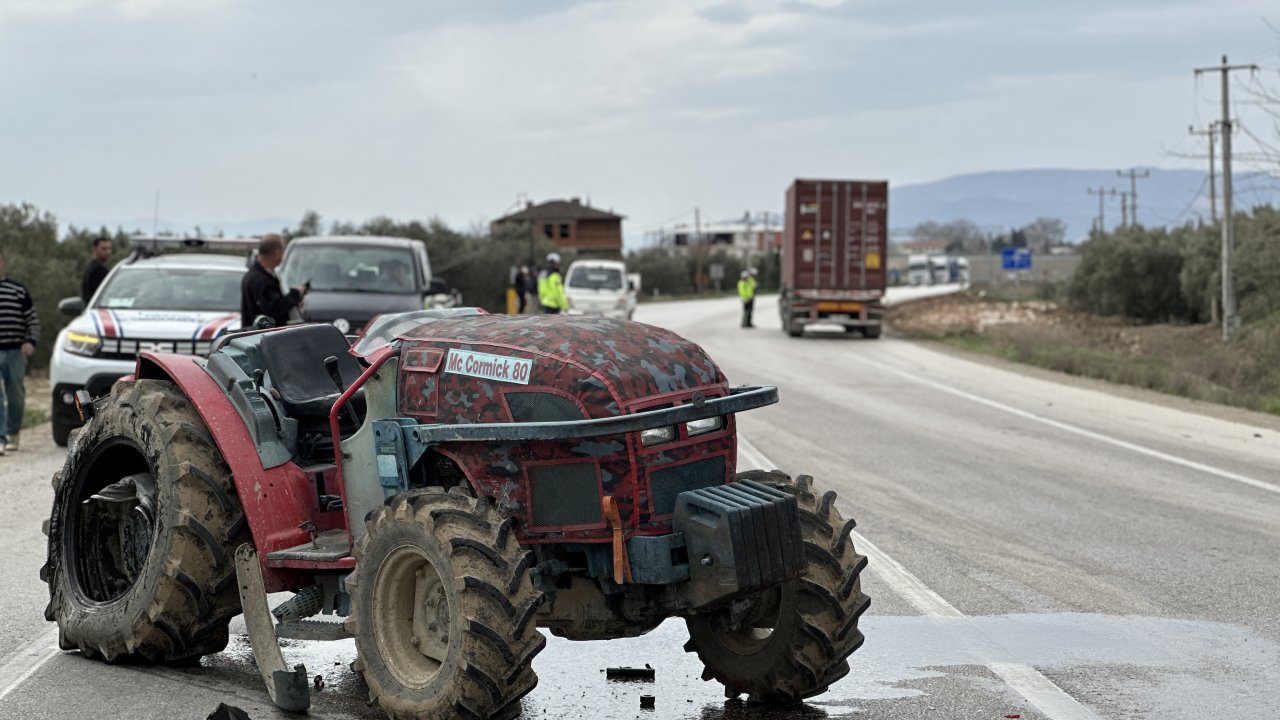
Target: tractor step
311	630
327	546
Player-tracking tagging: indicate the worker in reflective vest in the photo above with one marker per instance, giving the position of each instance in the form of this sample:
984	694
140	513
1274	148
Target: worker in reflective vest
551	287
747	291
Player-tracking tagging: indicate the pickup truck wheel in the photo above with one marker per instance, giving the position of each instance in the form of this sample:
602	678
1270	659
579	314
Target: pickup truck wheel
61	429
442	608
793	641
145	520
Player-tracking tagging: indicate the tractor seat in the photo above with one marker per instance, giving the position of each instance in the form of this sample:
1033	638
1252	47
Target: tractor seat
294	358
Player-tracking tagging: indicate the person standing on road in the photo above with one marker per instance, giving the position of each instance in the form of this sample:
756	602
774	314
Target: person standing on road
96	271
551	287
747	292
524	285
19	332
260	291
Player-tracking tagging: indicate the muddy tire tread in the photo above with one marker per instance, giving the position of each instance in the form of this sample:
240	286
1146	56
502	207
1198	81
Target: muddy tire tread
181	605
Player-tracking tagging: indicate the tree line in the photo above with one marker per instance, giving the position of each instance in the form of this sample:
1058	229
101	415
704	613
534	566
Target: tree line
1174	275
478	264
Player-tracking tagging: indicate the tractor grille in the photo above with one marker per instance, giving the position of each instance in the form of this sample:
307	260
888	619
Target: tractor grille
665	485
128	349
565	495
542	407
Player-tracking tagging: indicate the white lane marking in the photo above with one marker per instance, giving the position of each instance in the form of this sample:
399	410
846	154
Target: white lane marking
1142	450
29	658
1052	701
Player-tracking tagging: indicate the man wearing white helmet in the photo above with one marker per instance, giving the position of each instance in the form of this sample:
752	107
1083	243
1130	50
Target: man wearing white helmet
551	287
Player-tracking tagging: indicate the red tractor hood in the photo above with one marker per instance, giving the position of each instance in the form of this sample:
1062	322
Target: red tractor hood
634	360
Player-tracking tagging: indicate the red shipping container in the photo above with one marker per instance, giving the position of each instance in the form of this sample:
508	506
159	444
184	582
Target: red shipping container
835	254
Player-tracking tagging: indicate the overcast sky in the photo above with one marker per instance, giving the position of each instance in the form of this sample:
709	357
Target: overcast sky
242	111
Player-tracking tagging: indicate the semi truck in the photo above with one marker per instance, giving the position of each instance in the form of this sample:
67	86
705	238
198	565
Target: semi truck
834	252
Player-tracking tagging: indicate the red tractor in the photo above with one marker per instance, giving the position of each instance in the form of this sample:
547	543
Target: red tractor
444	488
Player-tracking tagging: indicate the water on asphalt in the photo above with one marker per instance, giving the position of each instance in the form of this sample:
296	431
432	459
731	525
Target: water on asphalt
1161	667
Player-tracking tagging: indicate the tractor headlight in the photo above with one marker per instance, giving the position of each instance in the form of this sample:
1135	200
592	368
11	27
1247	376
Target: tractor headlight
657	436
81	344
705	425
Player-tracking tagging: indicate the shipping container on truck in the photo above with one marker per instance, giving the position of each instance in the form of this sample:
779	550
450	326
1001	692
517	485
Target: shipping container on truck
834	255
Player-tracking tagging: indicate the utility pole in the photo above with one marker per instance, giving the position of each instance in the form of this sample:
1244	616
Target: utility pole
1133	191
1101	222
1212	134
697	249
1124	207
1229	318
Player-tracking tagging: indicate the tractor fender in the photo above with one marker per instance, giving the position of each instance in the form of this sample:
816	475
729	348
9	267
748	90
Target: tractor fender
277	500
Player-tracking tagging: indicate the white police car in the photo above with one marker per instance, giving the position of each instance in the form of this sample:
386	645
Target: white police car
172	303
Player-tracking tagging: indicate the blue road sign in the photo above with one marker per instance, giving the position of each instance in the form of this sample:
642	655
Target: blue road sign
1015	259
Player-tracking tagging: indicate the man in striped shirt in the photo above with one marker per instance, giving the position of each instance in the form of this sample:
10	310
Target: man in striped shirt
19	332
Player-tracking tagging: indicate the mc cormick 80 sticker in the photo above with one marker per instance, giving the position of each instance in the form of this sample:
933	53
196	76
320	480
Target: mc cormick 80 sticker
489	367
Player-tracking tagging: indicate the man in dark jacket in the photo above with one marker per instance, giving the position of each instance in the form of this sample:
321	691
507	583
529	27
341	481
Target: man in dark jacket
524	285
260	292
96	271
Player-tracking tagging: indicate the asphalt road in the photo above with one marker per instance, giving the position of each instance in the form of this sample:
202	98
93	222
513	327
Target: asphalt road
1039	546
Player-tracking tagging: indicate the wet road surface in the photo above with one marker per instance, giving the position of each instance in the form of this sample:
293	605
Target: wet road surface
1043	547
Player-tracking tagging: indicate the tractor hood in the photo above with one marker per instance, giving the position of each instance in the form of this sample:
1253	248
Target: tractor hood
635	361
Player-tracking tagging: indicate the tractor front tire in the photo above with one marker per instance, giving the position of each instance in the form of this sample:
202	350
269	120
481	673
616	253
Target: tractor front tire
443	609
149	577
797	640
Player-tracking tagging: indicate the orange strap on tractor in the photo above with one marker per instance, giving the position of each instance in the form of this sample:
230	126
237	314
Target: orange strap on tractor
621	566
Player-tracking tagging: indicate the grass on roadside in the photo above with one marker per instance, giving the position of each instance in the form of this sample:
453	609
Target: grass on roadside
1188	361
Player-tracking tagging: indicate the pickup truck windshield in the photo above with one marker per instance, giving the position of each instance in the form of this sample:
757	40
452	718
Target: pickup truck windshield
589	278
351	268
202	289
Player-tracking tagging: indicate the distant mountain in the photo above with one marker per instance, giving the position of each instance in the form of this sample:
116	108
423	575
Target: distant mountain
997	201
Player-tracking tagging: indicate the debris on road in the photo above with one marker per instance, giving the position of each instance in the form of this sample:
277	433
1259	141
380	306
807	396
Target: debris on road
644	674
228	712
646	702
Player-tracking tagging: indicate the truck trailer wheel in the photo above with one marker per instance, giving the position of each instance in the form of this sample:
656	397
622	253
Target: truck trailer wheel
145	520
442	608
792	641
871	332
794	329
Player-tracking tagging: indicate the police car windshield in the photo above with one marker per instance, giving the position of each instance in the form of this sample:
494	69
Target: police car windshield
191	289
589	278
351	268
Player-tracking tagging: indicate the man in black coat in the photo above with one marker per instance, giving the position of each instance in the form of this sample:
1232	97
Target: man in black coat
260	292
96	271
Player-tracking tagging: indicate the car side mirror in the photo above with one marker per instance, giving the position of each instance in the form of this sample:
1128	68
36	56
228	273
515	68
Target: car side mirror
437	287
72	306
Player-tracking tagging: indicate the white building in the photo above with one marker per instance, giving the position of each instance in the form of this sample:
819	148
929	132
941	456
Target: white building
746	237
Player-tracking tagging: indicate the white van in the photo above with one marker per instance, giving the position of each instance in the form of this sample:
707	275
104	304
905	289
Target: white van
600	287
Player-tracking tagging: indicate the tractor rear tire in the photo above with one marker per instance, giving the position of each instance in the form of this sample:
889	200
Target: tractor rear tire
443	612
799	642
138	585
